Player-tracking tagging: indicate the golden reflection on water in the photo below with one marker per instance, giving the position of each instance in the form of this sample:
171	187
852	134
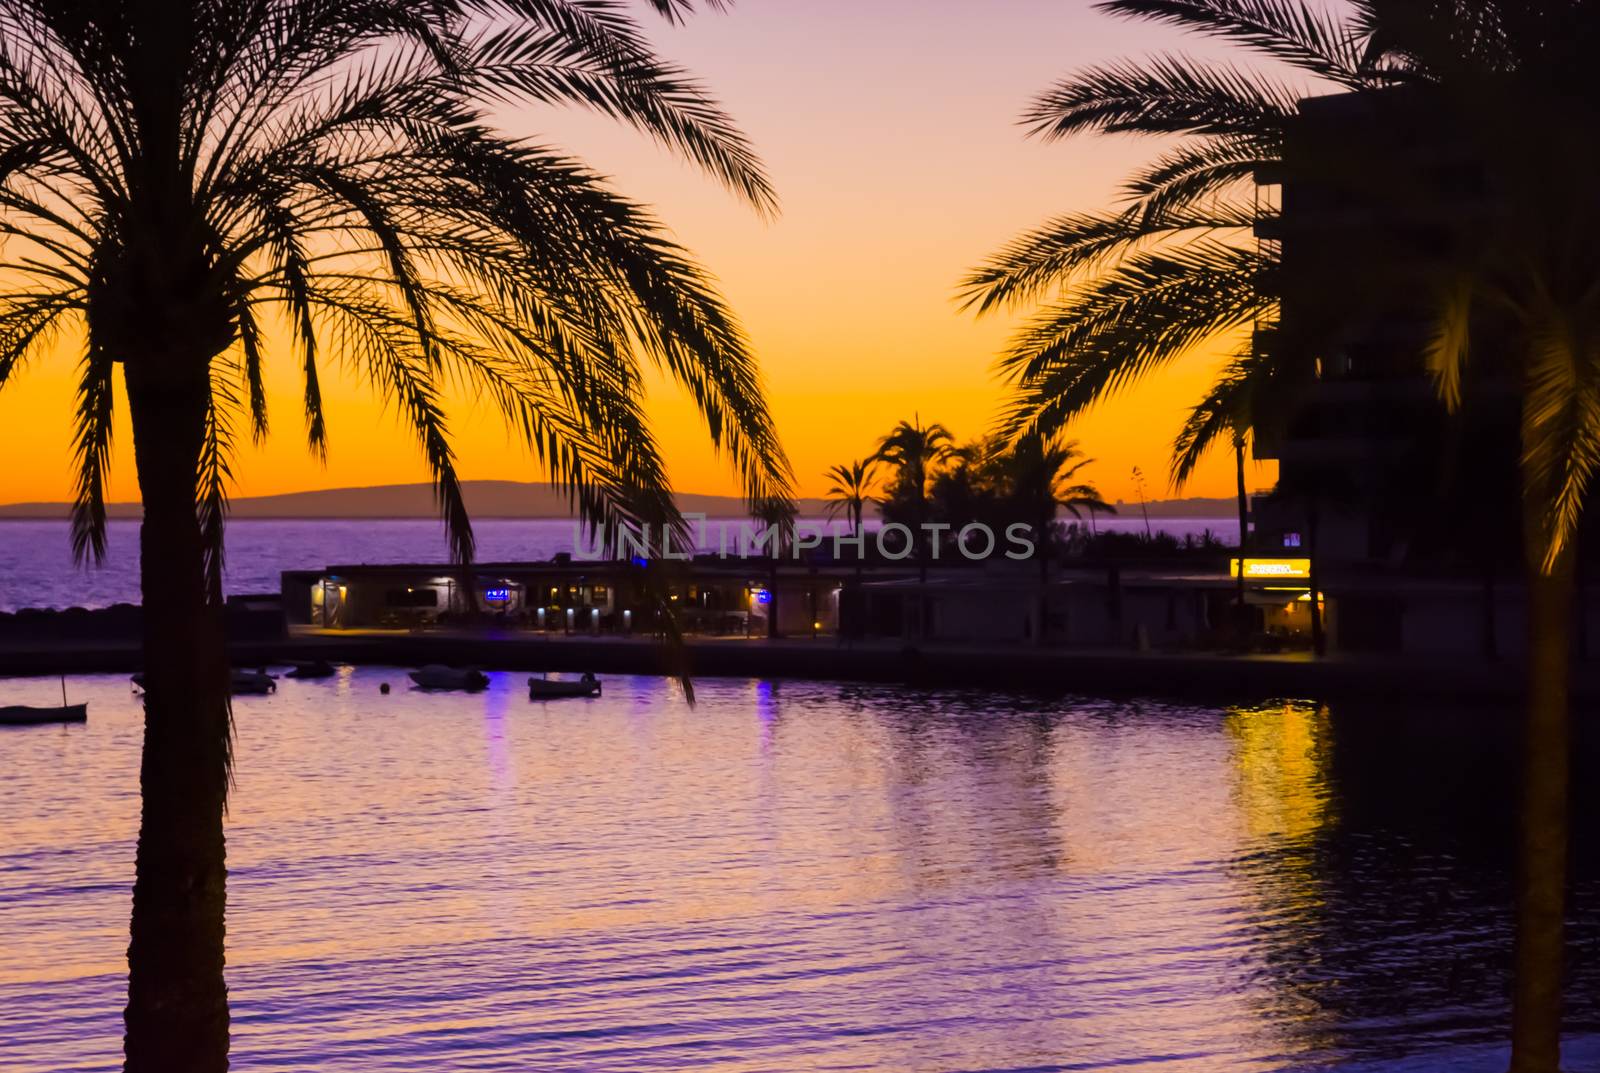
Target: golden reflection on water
1283	801
1281	757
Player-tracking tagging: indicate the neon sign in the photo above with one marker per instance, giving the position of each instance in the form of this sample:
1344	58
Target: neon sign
1271	568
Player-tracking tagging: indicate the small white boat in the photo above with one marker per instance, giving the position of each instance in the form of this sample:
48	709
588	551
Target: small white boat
22	715
254	683
545	689
438	676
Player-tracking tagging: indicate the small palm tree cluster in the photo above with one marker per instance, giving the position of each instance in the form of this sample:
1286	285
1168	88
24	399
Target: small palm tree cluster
1000	484
933	479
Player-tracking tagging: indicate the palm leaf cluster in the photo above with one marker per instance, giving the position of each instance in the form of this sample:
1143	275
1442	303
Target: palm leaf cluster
1120	295
228	183
910	450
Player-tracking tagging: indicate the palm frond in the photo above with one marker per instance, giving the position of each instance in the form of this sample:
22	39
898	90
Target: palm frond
1224	413
92	448
255	388
1449	343
1202	173
1154	305
1297	33
400	374
1051	256
588	52
214	476
1560	427
676	10
1163	95
28	324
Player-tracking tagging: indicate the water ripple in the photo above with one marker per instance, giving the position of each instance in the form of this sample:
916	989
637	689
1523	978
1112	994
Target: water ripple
788	877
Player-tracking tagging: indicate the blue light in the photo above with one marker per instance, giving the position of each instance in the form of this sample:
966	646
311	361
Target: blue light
762	596
497	596
640	561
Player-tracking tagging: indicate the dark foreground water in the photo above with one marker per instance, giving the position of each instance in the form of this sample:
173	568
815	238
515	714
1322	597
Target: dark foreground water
796	877
36	567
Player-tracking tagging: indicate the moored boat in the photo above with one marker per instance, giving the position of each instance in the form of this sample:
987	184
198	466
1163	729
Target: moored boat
546	689
23	715
438	676
309	669
255	683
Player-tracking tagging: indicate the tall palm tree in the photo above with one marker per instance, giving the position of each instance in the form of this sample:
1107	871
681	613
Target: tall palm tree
851	490
1227	413
910	449
1044	475
191	186
849	494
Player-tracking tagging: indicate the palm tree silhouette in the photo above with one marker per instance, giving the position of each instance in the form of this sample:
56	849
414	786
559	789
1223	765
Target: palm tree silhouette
910	449
1041	476
849	494
190	187
1226	413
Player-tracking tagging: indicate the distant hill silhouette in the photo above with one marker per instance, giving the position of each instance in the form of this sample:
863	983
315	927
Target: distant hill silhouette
516	499
1196	507
485	499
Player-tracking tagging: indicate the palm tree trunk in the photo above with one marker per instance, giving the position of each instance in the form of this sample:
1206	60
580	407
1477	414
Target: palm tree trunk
1543	824
772	600
177	1013
1319	641
1043	554
861	543
1244	520
920	619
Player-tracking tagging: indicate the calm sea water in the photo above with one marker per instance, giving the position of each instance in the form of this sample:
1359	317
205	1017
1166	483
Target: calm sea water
798	877
36	568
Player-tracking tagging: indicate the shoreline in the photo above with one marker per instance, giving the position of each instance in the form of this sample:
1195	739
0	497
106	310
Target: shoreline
1091	671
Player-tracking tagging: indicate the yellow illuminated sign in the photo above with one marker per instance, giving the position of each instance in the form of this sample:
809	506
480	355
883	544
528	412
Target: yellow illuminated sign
1271	569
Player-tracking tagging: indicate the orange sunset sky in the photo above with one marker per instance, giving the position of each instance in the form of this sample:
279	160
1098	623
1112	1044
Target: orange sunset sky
889	129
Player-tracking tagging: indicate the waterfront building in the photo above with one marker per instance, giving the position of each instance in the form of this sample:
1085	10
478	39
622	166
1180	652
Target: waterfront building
717	597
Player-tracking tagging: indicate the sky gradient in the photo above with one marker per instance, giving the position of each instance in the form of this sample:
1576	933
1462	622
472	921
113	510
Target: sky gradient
889	129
